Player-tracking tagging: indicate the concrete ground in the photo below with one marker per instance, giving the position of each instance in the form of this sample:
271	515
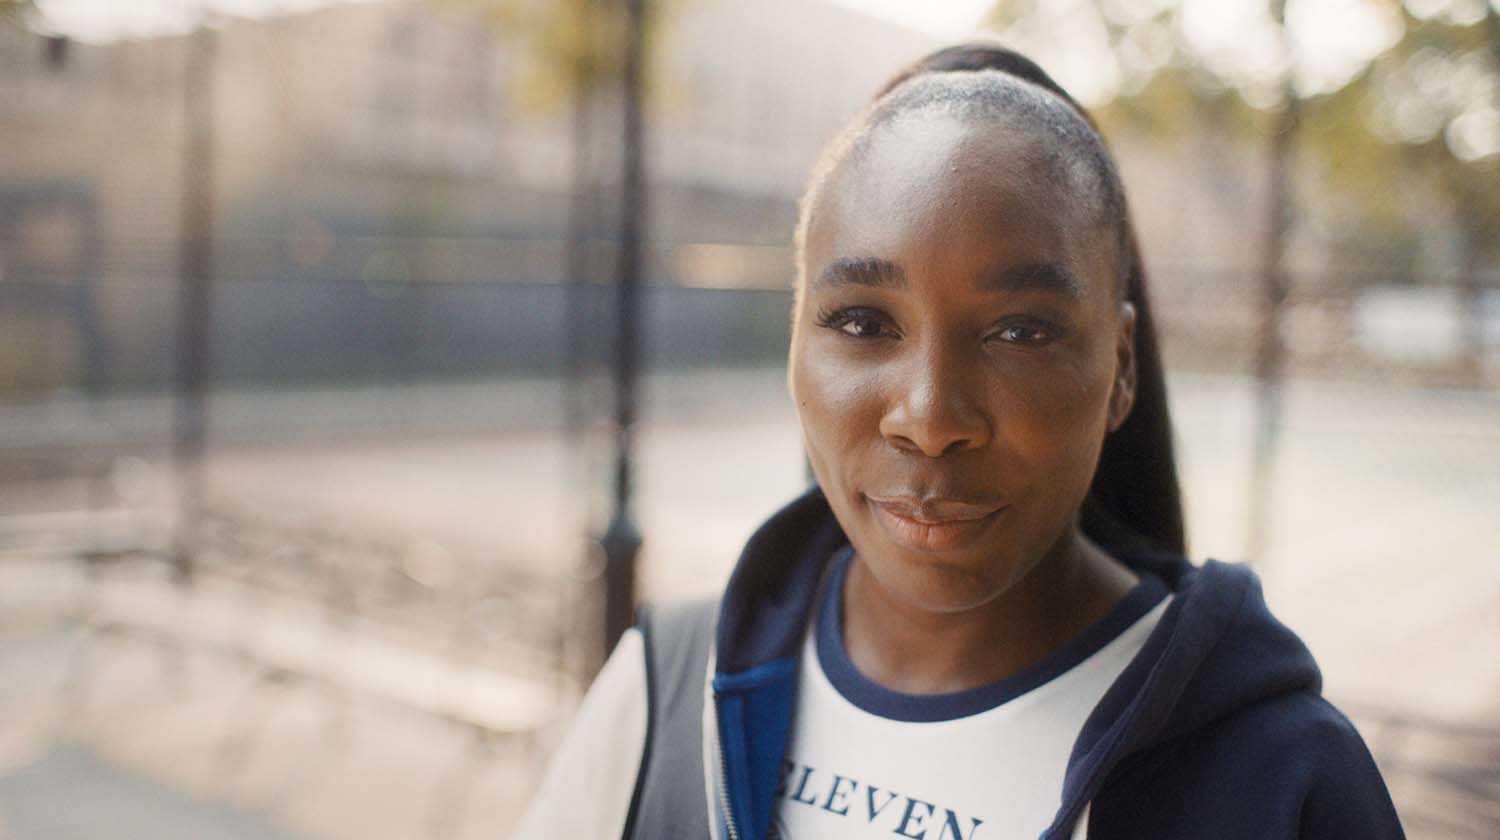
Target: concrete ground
1382	555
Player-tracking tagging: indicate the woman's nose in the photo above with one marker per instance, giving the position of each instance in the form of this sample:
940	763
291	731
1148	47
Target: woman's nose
934	410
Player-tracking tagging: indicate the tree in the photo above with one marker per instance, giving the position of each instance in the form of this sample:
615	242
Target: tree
1419	94
565	45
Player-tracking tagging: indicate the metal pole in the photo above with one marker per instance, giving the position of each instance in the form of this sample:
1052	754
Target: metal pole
1270	367
195	268
1471	291
1476	231
622	540
581	230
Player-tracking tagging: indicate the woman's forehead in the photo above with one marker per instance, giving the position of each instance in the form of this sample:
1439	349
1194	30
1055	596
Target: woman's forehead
933	181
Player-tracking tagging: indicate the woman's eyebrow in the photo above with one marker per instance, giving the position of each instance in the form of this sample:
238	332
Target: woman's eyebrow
1053	278
862	271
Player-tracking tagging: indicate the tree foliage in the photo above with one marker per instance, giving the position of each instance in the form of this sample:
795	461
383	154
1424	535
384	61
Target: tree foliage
14	11
564	45
1419	111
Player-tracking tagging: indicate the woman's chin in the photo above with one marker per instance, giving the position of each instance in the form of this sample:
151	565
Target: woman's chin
937	585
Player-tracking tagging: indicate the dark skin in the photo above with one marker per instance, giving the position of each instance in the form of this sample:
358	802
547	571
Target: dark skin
960	350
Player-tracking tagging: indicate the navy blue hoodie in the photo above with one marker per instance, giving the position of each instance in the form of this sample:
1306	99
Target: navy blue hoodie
1215	730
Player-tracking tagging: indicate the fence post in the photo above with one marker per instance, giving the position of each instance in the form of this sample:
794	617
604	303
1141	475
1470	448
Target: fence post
622	539
194	306
1270	360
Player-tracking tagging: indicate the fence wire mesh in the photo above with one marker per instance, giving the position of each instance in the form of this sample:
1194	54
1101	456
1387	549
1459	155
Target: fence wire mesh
366	605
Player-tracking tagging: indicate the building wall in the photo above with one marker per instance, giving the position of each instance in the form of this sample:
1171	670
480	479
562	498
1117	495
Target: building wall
372	163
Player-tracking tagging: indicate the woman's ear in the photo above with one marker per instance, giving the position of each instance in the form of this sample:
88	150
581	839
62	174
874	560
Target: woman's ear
1122	392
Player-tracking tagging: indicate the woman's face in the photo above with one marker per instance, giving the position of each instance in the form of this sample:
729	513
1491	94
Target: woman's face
958	354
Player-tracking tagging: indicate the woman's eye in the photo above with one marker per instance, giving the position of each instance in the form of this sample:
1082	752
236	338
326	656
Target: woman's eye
858	323
1030	333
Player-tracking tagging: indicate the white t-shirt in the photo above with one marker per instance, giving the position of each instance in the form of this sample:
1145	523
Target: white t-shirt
982	764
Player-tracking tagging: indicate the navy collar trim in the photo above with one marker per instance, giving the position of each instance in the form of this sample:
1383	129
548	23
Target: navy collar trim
932	708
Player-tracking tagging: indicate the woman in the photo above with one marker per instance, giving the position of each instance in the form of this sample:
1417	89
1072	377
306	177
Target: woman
979	624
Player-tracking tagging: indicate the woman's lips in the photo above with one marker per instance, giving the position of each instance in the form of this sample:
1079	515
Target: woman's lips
933	524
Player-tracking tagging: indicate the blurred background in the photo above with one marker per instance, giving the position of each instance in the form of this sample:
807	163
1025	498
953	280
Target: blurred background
362	362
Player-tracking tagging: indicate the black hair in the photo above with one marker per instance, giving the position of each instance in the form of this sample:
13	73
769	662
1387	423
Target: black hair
1134	503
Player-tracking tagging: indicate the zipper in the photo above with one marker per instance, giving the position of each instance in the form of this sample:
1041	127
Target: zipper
729	825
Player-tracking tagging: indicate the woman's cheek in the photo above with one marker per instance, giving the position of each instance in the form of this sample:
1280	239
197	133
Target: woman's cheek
1055	411
834	402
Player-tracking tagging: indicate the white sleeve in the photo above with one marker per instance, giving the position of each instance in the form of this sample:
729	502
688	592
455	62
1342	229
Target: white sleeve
591	777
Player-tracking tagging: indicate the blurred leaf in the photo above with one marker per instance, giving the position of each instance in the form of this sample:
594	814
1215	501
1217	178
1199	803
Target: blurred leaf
564	45
13	11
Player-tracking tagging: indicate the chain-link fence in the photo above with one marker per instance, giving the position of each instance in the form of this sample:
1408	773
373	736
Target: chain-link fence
366	600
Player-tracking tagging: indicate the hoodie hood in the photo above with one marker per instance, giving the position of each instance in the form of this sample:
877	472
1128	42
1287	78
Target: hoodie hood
1216	650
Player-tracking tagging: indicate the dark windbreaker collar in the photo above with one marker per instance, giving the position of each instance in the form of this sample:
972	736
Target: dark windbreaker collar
1216	649
770	594
761	621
